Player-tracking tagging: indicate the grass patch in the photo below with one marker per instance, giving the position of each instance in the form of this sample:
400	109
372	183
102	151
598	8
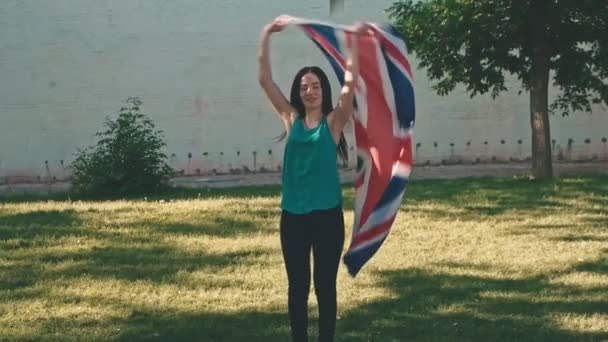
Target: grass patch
472	259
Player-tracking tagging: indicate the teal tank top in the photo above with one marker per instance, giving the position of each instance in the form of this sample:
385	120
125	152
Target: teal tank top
310	171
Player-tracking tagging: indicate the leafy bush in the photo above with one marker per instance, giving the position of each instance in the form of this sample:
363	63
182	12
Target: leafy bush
128	158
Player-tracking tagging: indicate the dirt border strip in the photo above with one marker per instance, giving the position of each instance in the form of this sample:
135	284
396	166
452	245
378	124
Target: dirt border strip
347	176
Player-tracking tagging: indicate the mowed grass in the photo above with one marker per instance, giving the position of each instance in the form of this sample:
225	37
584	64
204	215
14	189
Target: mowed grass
472	259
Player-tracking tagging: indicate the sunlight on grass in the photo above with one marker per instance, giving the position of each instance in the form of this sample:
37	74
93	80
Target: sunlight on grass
578	322
476	259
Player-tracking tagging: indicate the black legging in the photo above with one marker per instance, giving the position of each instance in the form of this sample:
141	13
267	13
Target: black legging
323	232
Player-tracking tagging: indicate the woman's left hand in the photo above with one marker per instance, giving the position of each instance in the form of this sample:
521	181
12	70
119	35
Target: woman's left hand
362	29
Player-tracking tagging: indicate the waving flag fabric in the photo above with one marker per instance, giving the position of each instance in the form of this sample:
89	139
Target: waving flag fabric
383	121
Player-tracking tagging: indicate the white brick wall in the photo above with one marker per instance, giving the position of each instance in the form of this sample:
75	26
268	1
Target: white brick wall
67	64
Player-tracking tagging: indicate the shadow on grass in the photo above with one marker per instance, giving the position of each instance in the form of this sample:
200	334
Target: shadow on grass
241	326
39	223
473	198
581	238
155	263
32	248
159	264
424	306
476	198
599	266
23	230
445	307
601	222
219	226
150	324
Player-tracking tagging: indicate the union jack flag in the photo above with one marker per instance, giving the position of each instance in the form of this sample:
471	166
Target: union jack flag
383	122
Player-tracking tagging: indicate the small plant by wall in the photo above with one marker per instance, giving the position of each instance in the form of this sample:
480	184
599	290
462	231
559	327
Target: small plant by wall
127	159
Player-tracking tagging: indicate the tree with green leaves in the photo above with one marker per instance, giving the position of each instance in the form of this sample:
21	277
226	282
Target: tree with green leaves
476	42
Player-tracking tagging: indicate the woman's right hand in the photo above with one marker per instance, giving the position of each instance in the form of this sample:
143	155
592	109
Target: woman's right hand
278	24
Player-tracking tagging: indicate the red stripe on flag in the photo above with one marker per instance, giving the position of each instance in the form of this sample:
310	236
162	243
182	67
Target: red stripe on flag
405	151
361	135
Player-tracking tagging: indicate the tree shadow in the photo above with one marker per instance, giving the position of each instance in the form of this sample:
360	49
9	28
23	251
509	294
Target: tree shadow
155	263
601	222
39	224
15	277
27	242
473	199
22	231
581	238
569	231
216	226
151	324
424	305
239	192
599	266
431	306
240	326
466	265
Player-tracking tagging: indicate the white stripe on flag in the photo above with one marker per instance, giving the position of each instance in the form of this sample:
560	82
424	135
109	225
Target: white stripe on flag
369	242
380	215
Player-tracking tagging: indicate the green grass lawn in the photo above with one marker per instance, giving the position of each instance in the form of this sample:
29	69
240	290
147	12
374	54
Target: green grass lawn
475	259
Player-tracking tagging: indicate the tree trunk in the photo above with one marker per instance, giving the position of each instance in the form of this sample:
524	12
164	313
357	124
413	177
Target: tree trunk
539	92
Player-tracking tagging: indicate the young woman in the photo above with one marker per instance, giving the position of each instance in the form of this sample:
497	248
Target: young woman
311	218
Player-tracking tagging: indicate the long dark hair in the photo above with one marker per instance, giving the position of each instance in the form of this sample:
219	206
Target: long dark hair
326	104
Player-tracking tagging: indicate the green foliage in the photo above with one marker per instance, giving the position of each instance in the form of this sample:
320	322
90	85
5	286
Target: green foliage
474	42
128	158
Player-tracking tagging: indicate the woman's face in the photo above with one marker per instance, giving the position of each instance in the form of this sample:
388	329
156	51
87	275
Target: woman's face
310	91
